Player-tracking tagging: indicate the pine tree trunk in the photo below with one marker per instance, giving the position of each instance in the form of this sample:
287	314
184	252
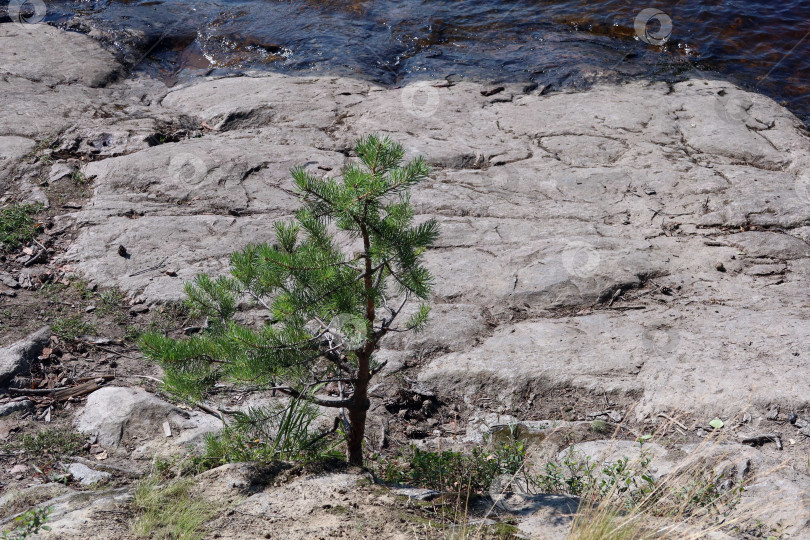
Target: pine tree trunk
357	412
357	429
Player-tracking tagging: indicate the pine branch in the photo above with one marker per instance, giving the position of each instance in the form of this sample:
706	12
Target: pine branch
335	403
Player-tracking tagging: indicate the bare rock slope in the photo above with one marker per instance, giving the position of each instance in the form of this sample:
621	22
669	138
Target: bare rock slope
643	243
646	240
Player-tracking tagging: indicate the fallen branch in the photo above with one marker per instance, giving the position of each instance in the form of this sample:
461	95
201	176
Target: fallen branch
110	350
36	391
759	440
211	411
147	377
35	258
63	390
95	377
662	415
79	390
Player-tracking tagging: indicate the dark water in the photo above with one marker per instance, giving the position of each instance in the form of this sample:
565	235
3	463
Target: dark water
763	45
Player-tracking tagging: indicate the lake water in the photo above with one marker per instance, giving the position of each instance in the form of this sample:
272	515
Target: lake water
763	45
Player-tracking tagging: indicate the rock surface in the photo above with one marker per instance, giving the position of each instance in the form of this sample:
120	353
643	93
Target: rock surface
581	232
15	406
87	476
43	53
640	243
17	357
115	414
76	514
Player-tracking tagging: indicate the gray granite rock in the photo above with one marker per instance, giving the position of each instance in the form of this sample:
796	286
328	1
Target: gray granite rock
647	240
12	151
87	476
121	415
15	406
17	357
43	53
549	207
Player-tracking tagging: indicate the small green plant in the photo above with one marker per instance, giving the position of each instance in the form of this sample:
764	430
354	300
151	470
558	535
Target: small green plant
30	522
83	287
79	178
37	150
600	427
170	317
51	444
581	476
623	502
17	225
450	471
706	490
169	512
110	301
132	332
72	328
269	434
52	291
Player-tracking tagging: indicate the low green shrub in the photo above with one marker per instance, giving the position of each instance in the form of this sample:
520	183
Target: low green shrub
169	512
17	225
580	475
450	471
28	523
48	445
72	328
268	434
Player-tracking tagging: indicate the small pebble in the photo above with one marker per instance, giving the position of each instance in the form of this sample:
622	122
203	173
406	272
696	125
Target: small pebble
720	267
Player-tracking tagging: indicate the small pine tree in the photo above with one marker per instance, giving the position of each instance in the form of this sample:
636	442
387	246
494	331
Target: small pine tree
334	283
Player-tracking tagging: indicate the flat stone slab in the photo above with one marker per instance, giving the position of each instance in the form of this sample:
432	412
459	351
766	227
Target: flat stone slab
114	414
43	53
